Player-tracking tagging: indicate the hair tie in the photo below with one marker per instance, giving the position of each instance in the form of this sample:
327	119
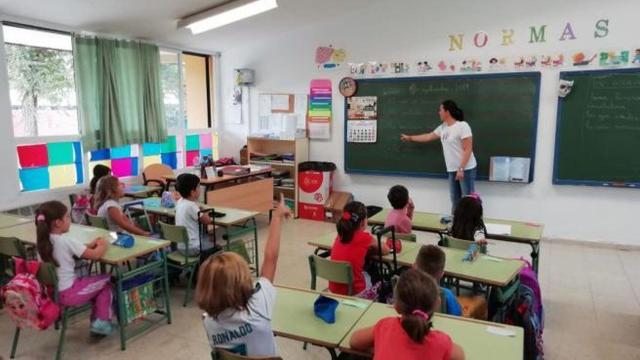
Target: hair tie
346	215
421	314
476	196
40	217
355	218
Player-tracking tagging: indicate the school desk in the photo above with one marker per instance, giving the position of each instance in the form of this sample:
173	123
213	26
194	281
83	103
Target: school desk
293	317
480	340
234	221
520	232
8	220
138	191
250	191
486	269
117	257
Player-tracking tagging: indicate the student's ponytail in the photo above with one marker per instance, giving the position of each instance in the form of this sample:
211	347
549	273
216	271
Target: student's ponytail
416	296
353	214
453	109
46	214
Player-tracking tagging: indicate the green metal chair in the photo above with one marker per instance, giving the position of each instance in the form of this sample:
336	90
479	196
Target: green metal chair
97	221
179	235
48	277
406	237
335	271
219	354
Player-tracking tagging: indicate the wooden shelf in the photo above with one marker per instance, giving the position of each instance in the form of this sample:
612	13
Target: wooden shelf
298	147
272	163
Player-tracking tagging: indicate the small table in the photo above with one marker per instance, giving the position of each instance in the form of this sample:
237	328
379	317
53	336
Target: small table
8	220
488	270
116	256
293	317
210	183
472	335
137	191
520	232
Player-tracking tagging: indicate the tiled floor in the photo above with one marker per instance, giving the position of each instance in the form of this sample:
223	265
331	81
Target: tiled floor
591	298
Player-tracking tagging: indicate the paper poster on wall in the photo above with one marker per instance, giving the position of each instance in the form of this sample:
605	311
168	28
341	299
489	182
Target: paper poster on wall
362	108
509	169
282	103
362	131
320	107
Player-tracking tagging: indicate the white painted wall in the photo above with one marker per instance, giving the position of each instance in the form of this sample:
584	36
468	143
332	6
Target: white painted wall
412	29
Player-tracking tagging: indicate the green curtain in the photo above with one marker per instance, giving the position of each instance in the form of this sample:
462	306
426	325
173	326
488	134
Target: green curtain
120	99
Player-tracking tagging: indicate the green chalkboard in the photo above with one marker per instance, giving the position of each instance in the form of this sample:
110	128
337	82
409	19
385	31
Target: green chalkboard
598	129
502	110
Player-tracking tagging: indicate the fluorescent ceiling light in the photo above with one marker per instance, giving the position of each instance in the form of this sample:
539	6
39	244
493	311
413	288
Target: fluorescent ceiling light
226	14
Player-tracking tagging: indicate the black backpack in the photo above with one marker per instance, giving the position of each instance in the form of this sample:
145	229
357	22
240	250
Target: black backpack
522	313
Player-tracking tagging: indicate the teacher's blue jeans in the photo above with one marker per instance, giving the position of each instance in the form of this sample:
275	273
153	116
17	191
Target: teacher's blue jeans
458	189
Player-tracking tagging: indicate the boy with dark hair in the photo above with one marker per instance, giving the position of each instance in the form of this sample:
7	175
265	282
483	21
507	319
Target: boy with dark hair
188	185
402	212
431	260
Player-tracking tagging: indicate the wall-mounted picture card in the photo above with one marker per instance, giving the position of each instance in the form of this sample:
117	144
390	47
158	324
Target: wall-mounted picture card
362	108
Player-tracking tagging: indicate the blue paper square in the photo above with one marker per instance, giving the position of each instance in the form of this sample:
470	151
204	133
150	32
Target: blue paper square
170	159
102	154
34	178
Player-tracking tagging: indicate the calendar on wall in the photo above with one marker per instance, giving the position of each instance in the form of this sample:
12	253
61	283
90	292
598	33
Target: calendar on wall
362	131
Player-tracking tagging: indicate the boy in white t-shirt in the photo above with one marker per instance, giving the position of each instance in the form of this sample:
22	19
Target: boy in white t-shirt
238	313
187	209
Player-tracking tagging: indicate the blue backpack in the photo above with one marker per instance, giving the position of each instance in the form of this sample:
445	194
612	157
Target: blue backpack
523	313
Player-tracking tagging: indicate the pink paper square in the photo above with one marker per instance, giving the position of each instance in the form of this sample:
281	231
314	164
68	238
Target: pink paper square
205	141
121	167
191	156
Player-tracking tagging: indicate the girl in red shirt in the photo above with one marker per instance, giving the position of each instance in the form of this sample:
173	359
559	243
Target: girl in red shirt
352	245
409	336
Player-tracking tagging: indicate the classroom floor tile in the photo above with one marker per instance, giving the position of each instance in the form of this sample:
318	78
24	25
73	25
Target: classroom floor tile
590	295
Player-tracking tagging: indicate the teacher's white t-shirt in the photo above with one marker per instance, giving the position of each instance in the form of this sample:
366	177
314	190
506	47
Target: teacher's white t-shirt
451	137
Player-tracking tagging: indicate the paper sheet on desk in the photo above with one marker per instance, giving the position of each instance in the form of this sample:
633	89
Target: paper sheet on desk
498	229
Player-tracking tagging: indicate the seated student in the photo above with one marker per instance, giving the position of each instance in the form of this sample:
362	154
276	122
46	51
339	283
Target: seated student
99	171
188	185
409	336
108	193
467	220
238	314
431	260
402	212
352	245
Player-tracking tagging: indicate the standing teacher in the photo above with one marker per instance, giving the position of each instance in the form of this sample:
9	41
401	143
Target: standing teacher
457	146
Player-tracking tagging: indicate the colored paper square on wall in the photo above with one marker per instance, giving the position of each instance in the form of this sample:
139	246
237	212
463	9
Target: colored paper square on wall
122	167
62	175
121	152
60	153
102	154
193	142
169	146
170	159
30	156
205	152
93	164
34	179
150	160
151	149
214	145
193	157
79	173
205	141
77	152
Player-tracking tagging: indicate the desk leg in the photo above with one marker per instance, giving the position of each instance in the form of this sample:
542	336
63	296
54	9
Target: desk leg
165	283
255	245
535	254
122	322
332	351
206	191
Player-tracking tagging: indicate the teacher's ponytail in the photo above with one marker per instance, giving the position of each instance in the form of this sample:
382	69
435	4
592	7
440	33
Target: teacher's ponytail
453	109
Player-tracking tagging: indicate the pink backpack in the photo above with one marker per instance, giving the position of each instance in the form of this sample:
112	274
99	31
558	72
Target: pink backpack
529	278
26	300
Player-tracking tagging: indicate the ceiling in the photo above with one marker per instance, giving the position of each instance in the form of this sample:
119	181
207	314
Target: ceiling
156	19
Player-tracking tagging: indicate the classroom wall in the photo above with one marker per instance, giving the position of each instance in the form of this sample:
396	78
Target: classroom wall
412	30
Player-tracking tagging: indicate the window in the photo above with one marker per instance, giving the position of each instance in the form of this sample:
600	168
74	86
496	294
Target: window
41	82
122	160
170	79
50	166
196	91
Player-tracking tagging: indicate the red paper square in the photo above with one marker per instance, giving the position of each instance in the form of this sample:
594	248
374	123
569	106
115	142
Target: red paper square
31	156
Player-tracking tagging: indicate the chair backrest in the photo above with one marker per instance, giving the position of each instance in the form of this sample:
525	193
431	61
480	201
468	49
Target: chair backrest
72	199
335	271
155	173
455	243
175	234
97	221
406	237
10	246
219	354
